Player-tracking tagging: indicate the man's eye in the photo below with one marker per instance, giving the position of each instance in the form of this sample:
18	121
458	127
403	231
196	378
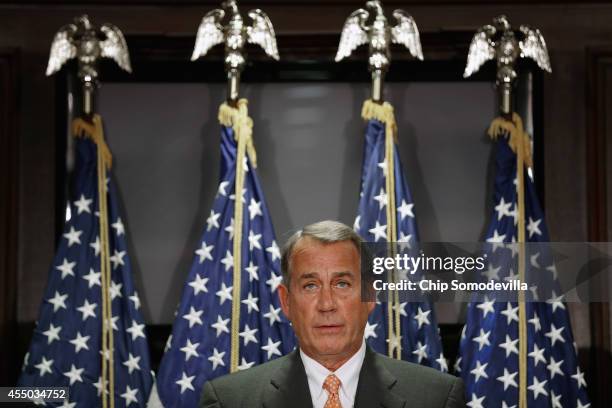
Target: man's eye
310	286
343	284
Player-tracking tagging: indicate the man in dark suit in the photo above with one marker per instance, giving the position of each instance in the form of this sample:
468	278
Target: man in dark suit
333	368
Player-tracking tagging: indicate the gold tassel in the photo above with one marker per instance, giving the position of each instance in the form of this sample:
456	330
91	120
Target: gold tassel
381	112
94	131
518	138
242	124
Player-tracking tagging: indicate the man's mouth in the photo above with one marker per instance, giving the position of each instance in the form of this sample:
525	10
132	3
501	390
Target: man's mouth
328	328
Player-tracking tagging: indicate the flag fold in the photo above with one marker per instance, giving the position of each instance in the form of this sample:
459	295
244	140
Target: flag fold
69	341
489	357
386	214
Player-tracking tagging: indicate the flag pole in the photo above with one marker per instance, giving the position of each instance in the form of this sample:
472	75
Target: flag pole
86	43
506	76
234	113
379	35
498	41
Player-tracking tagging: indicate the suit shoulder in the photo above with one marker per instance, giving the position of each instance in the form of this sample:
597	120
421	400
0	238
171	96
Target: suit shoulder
423	386
436	389
243	388
407	371
247	378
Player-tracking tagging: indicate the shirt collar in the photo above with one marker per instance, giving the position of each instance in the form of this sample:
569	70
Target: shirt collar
347	373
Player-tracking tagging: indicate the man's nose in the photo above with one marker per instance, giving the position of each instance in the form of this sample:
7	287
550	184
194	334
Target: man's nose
327	300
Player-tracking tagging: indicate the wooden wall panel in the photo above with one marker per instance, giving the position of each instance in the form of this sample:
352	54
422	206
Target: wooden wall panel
9	113
599	169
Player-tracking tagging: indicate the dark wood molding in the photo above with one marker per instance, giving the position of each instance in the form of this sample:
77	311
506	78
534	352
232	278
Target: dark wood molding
599	71
9	152
313	3
167	58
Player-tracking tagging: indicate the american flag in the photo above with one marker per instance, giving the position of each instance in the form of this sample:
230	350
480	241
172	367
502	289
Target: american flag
419	337
200	345
489	350
66	347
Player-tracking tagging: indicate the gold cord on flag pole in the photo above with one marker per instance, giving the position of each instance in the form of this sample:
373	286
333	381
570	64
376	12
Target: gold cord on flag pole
391	237
81	128
384	113
519	143
392	228
243	132
104	272
520	186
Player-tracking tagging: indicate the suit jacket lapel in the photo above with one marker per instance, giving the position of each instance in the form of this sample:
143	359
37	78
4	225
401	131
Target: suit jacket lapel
288	385
376	384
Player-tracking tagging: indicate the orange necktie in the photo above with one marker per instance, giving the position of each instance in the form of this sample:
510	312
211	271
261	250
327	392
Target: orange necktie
332	385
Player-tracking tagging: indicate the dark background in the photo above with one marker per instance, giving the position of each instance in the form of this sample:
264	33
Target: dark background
572	172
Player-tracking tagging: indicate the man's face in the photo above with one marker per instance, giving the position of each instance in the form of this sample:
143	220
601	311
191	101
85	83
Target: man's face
323	301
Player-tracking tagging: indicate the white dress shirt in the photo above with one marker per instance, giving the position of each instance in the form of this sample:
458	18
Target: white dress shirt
348	373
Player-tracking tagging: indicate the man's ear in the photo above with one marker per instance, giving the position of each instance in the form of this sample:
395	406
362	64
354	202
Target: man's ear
283	295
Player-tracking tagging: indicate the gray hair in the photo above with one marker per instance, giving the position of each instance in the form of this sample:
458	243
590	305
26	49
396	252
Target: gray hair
326	232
